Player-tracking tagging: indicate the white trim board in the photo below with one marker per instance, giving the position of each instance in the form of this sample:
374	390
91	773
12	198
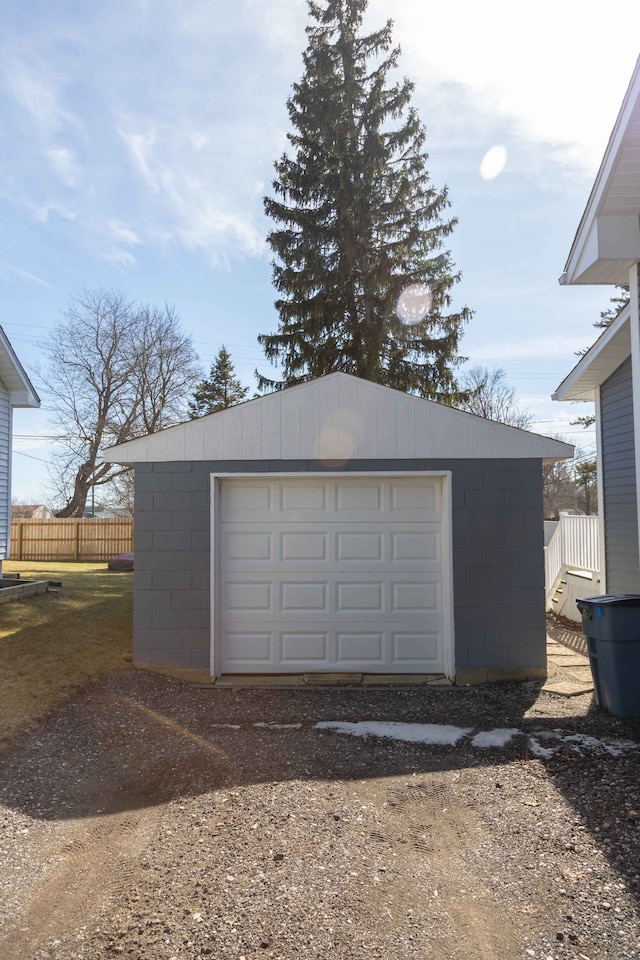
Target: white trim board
600	488
447	546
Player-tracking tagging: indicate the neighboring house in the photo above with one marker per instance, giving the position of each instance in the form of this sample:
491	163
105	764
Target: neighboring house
606	250
16	390
31	511
340	527
100	512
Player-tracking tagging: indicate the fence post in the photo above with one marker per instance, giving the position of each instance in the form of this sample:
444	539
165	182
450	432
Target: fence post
20	538
76	544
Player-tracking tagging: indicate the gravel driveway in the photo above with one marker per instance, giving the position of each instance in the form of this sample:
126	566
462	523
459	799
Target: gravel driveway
156	821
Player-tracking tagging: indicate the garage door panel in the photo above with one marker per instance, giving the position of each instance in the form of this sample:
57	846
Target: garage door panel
303	545
395	594
358	546
248	596
411	498
249	500
252	545
420	596
410	546
310	498
305	646
357	647
412	647
355	596
333	573
358	498
300	647
251	647
302	597
344	546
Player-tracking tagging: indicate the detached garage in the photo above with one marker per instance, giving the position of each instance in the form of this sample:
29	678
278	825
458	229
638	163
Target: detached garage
340	527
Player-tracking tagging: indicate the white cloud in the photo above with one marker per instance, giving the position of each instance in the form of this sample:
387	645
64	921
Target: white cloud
201	111
550	66
38	90
9	273
122	258
65	166
552	346
41	211
207	190
123	233
140	146
280	22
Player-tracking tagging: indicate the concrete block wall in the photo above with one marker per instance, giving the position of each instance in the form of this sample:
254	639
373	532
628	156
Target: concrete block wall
498	561
171	608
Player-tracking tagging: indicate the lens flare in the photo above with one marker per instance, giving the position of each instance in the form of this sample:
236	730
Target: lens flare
414	303
493	163
337	436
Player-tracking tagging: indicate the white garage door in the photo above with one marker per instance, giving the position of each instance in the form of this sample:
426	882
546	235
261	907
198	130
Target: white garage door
340	574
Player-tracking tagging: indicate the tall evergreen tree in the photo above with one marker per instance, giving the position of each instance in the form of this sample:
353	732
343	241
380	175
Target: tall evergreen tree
357	221
220	390
617	303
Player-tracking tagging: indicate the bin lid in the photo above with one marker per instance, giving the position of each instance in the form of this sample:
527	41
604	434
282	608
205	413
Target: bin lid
620	599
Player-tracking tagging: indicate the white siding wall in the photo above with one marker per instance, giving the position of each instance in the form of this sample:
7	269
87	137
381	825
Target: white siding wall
5	471
338	417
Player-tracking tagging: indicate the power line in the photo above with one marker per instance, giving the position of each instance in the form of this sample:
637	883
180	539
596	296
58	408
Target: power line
31	457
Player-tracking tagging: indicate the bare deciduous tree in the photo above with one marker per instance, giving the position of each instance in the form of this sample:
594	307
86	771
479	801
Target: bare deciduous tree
489	395
117	370
559	489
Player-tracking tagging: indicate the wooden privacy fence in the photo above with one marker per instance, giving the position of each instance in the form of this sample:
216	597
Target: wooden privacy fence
70	539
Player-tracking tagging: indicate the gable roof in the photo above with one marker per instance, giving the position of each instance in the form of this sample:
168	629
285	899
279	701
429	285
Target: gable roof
338	417
12	374
612	348
607	242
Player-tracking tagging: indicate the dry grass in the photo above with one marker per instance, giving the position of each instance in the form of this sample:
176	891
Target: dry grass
52	645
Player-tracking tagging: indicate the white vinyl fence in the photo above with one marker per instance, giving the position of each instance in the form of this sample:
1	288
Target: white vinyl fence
574	550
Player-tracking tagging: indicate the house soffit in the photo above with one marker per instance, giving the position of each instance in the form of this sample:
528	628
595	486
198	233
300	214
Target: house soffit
13	376
613	205
611	349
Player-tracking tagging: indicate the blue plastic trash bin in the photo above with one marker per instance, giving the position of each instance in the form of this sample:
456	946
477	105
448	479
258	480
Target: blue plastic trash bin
611	625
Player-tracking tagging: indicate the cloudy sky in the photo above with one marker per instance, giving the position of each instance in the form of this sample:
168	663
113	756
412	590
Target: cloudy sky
137	139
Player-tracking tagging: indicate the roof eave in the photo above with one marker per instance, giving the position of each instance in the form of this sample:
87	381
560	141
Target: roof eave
22	393
599	362
586	263
24	398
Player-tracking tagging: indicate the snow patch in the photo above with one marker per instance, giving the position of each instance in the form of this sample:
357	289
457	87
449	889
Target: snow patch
538	750
581	741
279	726
432	733
499	737
541	743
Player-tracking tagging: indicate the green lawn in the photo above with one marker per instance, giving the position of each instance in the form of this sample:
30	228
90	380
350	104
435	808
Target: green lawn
53	645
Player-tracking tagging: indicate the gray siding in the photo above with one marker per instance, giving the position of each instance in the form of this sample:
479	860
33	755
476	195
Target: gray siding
619	482
497	558
5	470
